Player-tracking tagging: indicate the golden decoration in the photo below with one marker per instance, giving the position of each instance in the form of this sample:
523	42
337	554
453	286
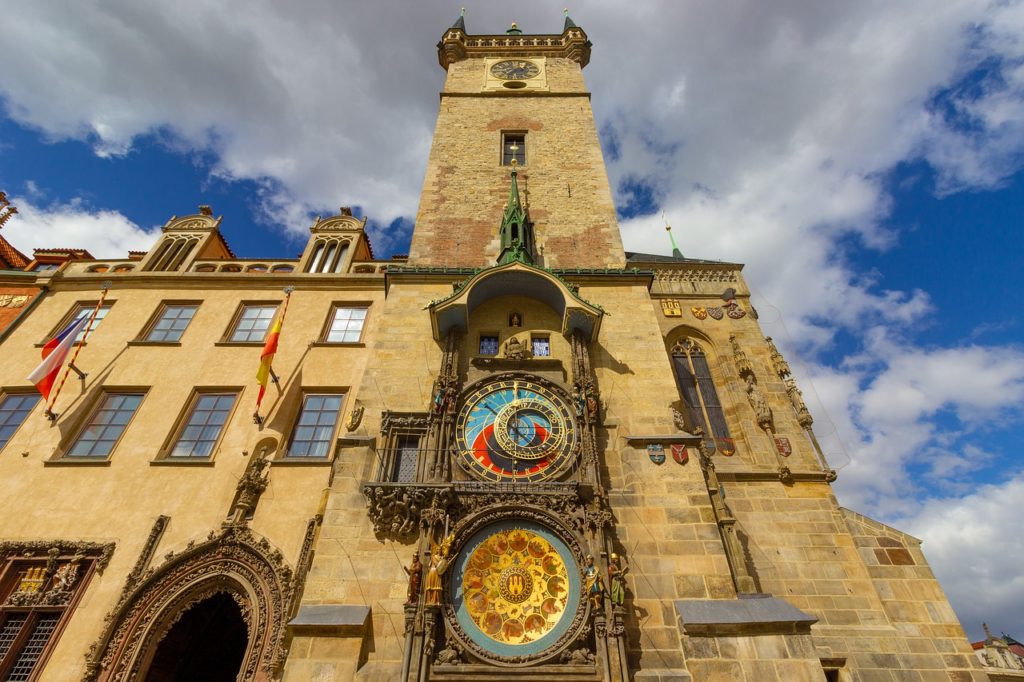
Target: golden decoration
700	312
516	586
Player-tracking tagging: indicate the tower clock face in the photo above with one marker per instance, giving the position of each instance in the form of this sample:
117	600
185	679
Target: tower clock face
515	429
515	70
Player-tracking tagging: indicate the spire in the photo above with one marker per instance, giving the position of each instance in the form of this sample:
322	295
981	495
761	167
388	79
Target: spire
569	23
676	253
516	230
460	23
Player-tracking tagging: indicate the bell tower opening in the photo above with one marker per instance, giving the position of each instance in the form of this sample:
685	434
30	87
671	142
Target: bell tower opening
207	643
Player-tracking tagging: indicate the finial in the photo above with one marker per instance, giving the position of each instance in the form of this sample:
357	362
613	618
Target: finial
676	253
514	30
462	12
205	209
565	11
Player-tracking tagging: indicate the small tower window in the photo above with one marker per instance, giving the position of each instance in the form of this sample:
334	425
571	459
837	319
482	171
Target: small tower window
513	146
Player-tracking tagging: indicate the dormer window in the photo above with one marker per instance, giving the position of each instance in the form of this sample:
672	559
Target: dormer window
328	255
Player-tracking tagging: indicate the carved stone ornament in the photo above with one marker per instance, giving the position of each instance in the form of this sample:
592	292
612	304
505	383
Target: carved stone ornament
803	415
354	417
40	548
514	349
779	363
235	562
396	510
700	312
759	403
742	363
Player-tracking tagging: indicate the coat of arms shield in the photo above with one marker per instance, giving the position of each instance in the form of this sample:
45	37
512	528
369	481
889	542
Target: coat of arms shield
656	452
679	453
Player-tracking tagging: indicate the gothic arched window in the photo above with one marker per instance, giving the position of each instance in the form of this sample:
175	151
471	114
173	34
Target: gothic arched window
700	399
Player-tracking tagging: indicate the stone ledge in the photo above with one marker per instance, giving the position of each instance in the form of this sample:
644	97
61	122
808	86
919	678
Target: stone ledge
335	620
748	615
475	672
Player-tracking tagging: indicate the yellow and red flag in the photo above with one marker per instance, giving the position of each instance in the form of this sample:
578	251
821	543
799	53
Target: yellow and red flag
269	350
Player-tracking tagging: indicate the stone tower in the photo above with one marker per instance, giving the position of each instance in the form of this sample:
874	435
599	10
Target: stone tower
522	97
572	462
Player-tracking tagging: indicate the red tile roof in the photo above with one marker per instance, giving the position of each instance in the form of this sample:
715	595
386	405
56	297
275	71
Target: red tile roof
10	257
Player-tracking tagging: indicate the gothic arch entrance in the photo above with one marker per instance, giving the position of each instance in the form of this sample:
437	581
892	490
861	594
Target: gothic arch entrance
235	578
208	642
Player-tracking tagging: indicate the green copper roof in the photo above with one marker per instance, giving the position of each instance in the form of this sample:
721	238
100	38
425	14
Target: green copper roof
516	232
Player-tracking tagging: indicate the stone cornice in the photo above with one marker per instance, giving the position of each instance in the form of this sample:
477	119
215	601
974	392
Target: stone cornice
570	44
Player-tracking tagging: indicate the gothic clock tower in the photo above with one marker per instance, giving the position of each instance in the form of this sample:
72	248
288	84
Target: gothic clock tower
534	486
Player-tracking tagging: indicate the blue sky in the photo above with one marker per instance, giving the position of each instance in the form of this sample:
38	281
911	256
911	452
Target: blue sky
865	160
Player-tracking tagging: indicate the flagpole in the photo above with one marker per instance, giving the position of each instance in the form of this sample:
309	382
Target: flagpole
284	311
78	347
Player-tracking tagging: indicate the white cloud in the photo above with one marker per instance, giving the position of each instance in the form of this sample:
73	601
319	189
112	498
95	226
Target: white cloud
105	234
974	545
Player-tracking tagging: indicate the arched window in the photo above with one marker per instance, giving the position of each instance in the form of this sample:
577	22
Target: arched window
328	256
700	399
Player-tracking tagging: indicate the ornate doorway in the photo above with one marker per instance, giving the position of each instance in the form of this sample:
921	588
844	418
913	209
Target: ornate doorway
207	643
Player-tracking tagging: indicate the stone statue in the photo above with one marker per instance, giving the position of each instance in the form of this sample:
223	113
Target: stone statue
759	403
592	583
438	565
514	349
515	321
415	573
617	577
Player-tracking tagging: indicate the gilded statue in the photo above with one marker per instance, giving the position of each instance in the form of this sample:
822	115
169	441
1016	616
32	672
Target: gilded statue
593	585
438	565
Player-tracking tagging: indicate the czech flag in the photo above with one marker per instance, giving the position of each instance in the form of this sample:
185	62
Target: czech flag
269	349
55	352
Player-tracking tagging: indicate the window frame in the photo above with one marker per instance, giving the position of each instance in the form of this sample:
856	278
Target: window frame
11	568
480	341
8	393
237	317
286	451
704	412
540	337
72	313
522	134
166	453
158	315
339	305
95	406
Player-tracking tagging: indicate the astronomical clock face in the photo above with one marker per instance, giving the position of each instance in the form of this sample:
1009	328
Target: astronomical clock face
515	70
515	430
515	589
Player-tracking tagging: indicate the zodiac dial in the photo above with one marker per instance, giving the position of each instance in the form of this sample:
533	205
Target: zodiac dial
515	69
515	589
515	429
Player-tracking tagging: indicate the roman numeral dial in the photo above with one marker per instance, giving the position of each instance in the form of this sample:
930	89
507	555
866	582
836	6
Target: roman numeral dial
515	429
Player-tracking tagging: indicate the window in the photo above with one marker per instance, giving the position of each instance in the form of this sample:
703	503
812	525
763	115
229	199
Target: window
328	256
204	426
252	323
541	346
106	425
81	310
513	146
314	430
488	344
171	324
172	252
42	267
13	409
36	595
406	454
700	399
346	325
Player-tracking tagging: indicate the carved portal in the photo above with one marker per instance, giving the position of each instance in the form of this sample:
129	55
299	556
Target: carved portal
235	562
